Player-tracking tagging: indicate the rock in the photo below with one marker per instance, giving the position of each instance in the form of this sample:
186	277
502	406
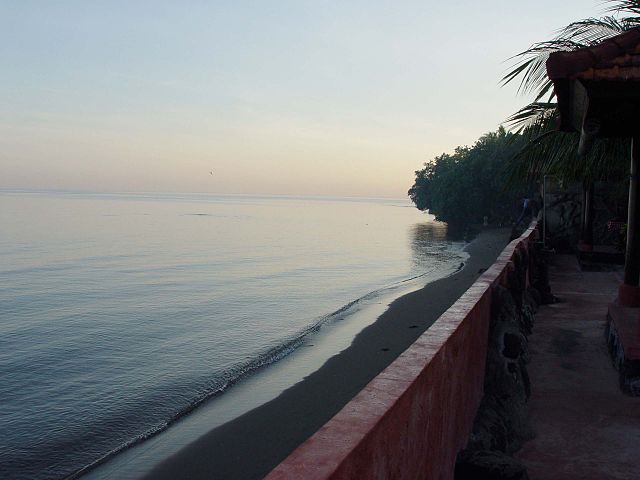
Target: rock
501	425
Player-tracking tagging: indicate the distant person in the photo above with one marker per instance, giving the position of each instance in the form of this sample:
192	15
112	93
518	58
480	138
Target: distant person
526	210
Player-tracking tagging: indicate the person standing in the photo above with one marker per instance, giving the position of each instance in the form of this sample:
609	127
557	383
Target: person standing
526	210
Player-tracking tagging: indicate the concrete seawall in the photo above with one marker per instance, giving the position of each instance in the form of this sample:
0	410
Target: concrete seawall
414	417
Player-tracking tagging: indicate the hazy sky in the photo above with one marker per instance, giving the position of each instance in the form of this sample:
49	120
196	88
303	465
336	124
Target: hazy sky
277	97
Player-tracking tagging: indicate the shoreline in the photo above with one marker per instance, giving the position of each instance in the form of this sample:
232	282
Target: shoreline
255	389
268	433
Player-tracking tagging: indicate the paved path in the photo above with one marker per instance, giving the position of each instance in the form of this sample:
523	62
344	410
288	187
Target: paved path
586	428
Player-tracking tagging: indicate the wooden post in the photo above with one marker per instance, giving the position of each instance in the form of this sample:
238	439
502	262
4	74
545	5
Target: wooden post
632	256
544	211
588	215
586	225
583	216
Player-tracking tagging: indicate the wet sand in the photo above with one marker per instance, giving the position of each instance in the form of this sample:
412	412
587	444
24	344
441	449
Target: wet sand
252	444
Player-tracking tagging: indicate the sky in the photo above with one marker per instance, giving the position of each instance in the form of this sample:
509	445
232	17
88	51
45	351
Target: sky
340	98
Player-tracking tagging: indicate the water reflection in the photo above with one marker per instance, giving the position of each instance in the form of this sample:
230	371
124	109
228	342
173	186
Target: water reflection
430	240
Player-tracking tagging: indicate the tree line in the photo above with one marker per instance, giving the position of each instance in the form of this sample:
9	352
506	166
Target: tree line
473	182
490	177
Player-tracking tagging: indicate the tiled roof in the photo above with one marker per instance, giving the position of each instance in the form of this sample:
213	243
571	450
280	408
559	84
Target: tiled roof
600	84
617	58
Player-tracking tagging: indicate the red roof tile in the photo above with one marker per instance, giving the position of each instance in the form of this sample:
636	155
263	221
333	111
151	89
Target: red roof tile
617	58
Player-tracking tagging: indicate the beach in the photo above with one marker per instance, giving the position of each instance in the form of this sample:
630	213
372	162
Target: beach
249	446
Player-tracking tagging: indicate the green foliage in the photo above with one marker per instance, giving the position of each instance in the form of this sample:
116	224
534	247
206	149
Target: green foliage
546	150
530	64
463	187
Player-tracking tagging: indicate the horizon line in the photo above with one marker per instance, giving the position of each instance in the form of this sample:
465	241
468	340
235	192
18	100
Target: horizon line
152	192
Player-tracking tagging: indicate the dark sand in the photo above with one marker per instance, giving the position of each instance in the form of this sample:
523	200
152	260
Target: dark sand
252	444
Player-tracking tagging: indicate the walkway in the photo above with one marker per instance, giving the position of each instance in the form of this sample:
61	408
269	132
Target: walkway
586	428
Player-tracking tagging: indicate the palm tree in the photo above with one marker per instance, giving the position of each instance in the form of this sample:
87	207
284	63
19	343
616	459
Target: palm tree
537	120
530	66
547	150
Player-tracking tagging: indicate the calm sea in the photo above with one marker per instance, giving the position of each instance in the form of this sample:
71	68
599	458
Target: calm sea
121	313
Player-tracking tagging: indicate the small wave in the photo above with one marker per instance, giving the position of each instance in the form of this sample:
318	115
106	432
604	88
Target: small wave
271	356
265	359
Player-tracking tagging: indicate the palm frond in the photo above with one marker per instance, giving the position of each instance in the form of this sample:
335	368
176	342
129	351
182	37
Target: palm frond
550	152
533	114
546	150
530	64
630	6
592	31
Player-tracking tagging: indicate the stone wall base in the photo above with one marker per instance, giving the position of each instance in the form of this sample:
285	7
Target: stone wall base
623	340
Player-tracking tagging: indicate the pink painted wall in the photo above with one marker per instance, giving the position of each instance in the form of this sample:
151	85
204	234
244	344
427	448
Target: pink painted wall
411	420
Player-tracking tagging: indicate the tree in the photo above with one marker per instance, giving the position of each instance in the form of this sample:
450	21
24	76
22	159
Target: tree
547	151
463	187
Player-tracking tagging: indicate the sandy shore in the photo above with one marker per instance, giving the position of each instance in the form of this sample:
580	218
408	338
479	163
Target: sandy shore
252	444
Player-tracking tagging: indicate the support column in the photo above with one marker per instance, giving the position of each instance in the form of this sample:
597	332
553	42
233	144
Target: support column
586	232
629	293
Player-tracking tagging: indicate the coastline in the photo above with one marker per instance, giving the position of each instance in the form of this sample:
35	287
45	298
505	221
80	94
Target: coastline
268	433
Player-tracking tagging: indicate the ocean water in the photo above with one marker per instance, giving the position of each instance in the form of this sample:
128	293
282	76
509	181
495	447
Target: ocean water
120	314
